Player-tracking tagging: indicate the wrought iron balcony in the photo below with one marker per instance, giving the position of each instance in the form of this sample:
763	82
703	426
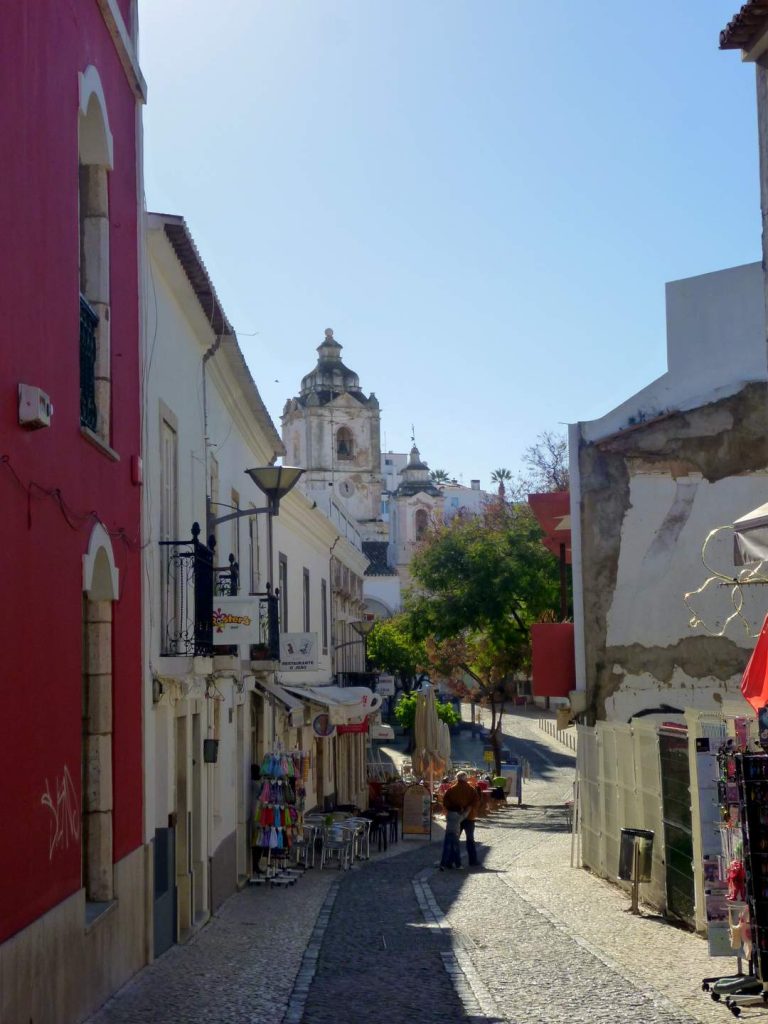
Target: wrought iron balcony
88	323
187	612
190	584
356	678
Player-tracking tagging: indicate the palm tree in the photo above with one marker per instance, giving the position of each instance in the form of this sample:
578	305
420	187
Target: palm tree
440	476
498	476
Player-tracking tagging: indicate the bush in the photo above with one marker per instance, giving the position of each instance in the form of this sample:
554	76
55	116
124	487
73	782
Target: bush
405	712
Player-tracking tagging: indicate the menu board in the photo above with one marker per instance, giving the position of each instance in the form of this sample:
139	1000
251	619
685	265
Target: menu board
417	811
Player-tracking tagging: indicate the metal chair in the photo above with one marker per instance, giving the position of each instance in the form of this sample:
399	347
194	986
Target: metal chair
337	842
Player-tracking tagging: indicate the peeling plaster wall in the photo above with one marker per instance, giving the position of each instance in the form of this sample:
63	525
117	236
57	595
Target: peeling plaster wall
649	497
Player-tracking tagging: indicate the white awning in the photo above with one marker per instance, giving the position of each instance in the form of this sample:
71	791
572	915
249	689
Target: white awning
294	707
751	540
346	704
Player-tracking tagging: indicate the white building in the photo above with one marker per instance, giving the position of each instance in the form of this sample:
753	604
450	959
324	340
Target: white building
204	425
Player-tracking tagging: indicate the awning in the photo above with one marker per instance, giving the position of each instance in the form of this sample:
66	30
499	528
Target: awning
294	707
346	704
751	540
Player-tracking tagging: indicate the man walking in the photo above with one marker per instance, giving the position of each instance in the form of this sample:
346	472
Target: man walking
464	799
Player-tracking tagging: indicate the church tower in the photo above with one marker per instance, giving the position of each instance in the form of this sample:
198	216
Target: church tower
416	503
332	430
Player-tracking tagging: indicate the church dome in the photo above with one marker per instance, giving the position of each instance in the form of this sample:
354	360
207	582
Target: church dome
330	377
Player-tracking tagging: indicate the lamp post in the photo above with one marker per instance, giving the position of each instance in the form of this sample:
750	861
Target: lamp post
363	628
274	482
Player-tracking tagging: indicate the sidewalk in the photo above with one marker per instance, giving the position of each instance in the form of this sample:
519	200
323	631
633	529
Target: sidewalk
527	937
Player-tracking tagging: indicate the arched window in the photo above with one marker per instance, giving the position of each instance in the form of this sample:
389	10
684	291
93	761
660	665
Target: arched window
345	443
421	522
95	156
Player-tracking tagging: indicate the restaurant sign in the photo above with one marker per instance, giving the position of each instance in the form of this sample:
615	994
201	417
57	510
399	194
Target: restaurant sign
298	651
385	686
235	620
417	812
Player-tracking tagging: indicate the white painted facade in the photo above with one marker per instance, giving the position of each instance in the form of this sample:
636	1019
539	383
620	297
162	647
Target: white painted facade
204	425
716	339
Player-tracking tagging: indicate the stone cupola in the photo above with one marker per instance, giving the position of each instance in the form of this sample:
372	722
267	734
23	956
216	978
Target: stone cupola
331	377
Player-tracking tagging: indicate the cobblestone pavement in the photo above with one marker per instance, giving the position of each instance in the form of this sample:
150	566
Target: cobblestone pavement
525	938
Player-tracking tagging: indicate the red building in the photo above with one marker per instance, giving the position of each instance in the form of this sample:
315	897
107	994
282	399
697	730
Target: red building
72	859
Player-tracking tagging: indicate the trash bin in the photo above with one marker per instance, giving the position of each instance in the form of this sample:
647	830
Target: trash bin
641	838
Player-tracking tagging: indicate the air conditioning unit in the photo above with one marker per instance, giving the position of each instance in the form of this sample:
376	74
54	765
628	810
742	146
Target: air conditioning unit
35	409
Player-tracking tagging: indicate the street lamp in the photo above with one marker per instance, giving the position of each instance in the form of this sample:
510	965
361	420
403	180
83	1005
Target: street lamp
274	482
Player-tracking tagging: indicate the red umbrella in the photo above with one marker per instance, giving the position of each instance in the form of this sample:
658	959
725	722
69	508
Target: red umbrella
754	682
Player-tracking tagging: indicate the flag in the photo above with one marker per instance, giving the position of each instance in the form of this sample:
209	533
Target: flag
754	682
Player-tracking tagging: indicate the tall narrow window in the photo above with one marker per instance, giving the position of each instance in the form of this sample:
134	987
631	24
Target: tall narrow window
282	577
345	445
95	162
170	583
306	600
324	614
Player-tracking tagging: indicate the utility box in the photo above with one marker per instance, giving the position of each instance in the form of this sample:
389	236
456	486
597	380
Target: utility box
35	409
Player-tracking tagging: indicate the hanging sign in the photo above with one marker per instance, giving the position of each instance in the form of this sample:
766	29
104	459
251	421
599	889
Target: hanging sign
417	812
385	686
298	651
235	620
322	726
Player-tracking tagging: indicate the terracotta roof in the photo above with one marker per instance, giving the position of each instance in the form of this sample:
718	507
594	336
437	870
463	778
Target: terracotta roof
743	28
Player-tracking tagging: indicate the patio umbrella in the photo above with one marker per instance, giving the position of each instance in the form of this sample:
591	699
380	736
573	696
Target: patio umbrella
427	759
444	745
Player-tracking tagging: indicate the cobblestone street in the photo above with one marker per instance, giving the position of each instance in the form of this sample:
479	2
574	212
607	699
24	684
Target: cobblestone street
523	938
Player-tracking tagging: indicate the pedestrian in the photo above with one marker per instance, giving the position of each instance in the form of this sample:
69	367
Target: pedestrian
464	800
451	855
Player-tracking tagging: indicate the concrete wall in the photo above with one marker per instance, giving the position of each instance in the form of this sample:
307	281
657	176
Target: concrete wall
651	480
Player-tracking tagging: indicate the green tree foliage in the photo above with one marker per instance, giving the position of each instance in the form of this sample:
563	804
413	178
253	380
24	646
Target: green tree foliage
392	647
405	712
482	582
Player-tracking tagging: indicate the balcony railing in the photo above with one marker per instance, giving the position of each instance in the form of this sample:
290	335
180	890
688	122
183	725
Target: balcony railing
191	582
268	647
88	323
356	678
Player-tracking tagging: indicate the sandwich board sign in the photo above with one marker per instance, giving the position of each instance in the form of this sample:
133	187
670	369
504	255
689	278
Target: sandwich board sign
417	812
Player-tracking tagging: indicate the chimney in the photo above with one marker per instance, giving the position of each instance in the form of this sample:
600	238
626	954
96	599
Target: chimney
475	485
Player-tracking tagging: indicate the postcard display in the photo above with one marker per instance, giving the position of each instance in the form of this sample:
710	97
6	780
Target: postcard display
278	815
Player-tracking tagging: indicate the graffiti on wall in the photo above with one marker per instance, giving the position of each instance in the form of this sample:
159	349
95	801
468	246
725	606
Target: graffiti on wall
60	800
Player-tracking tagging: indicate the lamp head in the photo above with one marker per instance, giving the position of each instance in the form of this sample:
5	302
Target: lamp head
275	481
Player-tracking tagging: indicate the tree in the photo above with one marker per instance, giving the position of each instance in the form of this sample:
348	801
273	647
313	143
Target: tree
392	647
405	712
440	476
546	463
501	477
483	581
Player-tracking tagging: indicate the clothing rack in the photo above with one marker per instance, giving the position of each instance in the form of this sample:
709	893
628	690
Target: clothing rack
277	819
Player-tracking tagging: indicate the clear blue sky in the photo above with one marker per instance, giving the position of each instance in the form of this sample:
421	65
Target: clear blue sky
483	198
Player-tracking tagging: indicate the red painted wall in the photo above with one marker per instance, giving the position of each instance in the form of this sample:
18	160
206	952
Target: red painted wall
553	662
53	483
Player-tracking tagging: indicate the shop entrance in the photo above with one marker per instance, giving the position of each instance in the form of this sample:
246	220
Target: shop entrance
676	814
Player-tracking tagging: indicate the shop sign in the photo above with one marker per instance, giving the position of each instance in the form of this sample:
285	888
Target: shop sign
298	651
235	620
417	812
385	686
322	725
